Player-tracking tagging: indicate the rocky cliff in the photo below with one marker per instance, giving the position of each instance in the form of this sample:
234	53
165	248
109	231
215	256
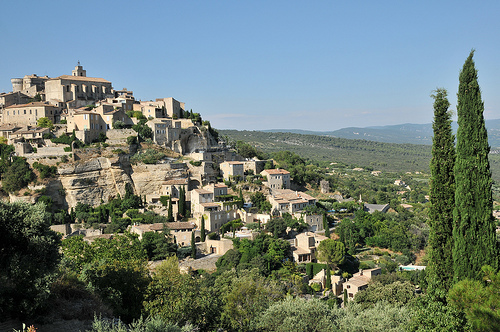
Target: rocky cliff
100	179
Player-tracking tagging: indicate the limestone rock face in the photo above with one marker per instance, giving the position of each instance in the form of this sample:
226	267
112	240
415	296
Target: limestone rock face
91	181
100	179
148	179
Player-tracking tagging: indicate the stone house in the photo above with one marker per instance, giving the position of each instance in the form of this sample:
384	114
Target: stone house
165	130
276	178
304	247
359	281
172	187
180	230
216	209
31	135
231	169
149	109
286	200
28	114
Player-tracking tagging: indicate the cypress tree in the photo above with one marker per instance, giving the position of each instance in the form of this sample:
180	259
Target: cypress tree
474	227
202	229
182	202
193	246
170	214
442	197
326	226
328	283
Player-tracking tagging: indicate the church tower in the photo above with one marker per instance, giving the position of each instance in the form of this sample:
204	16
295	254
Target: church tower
78	71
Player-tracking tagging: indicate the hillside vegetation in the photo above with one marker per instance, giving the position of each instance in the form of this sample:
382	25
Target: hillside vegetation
381	156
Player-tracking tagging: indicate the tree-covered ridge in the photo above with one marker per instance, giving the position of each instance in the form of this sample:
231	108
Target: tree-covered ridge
388	157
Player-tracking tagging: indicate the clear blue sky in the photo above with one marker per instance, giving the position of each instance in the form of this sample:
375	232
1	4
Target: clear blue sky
315	65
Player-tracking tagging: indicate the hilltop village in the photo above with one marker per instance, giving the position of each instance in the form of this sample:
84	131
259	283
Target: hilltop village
108	166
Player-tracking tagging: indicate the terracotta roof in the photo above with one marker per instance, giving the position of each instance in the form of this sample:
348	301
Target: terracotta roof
31	131
210	204
358	281
276	171
8	127
81	79
34	104
180	225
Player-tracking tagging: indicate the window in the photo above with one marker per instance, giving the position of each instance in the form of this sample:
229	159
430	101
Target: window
85	116
30	111
24	111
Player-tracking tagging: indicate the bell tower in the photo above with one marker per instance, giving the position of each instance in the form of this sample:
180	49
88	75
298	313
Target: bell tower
78	71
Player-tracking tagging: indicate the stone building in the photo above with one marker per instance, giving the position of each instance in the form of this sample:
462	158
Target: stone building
211	203
28	114
30	85
77	89
276	178
290	201
164	130
231	169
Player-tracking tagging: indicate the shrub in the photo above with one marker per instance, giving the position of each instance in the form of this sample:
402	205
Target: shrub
131	140
118	124
47	136
63	121
119	151
17	176
316	286
45	170
67	149
164	200
195	163
149	156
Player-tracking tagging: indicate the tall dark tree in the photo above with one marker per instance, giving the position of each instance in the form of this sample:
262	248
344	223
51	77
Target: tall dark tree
202	229
170	214
193	246
442	197
326	226
182	202
328	283
474	227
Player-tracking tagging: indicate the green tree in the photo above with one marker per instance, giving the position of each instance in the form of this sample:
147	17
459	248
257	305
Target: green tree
442	197
479	300
181	298
431	315
170	214
44	123
331	251
328	284
474	235
17	176
193	246
277	226
326	226
29	254
202	229
182	202
245	298
297	314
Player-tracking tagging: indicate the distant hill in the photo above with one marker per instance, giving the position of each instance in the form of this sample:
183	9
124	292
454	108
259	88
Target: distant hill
382	156
407	133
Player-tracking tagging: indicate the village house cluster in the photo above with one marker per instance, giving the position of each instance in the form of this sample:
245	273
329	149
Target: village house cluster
86	105
90	106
